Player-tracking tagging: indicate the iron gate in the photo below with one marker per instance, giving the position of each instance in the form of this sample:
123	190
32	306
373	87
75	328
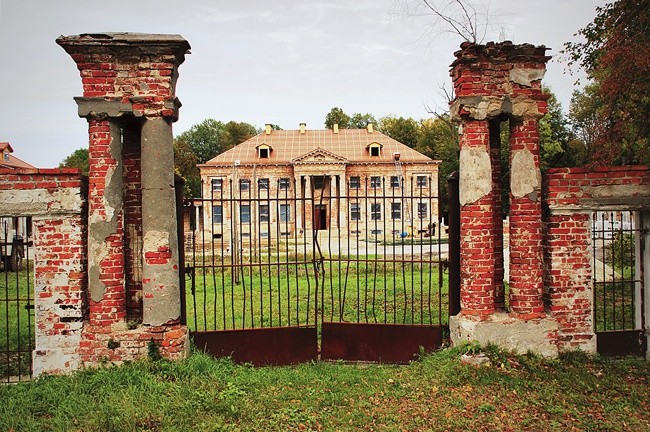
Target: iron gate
16	299
277	279
617	250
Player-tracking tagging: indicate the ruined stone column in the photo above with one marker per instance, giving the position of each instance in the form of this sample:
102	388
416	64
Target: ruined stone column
160	283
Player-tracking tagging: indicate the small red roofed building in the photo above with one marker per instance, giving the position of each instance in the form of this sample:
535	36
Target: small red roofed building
8	160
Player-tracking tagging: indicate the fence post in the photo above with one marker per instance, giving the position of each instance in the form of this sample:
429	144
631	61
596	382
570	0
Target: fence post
179	183
454	243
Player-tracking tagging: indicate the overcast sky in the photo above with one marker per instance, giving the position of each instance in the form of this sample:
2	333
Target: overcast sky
258	61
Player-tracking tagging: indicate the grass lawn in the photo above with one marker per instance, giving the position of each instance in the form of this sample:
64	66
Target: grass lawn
437	392
371	290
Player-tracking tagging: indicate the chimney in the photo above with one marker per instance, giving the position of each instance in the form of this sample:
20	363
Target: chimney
268	128
302	127
335	128
370	128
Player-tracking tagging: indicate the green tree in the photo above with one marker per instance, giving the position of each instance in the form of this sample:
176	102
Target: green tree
205	139
185	165
78	159
337	116
404	130
615	54
235	133
361	121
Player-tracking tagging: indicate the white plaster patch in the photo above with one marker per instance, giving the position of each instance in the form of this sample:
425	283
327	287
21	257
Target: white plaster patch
525	76
525	178
40	201
475	175
155	239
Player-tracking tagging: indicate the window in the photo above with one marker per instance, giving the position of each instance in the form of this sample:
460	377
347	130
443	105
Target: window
319	182
375	182
245	213
263	184
396	211
264	212
283	184
375	211
421	181
355	211
264	153
394	181
374	151
355	182
244	185
217	214
422	210
285	212
216	184
376	232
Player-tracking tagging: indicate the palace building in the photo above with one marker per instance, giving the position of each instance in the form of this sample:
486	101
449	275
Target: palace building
281	183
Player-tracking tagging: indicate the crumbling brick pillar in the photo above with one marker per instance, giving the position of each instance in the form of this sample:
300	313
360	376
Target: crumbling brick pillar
477	201
129	100
495	83
526	260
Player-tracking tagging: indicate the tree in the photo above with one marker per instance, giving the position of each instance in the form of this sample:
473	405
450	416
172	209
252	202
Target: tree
235	133
361	121
404	130
78	159
616	57
201	143
469	19
337	116
185	165
559	145
205	139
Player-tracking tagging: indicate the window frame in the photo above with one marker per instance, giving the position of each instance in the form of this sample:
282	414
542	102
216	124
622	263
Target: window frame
421	184
375	211
242	213
284	183
375	182
396	211
355	182
220	213
284	213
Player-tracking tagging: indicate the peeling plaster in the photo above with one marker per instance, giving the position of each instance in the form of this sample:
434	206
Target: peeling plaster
525	177
475	180
526	76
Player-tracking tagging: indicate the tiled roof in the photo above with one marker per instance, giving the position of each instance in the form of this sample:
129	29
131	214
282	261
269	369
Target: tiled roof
288	145
7	160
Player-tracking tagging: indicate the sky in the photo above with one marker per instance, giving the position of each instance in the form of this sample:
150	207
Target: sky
260	61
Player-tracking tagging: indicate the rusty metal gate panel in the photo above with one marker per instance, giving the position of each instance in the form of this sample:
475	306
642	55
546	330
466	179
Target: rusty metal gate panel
16	299
268	273
617	251
383	296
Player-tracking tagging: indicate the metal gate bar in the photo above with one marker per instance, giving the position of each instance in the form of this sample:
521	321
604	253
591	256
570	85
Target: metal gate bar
16	287
617	251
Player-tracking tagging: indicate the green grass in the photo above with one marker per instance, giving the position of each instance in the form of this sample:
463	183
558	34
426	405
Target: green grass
280	294
435	393
16	322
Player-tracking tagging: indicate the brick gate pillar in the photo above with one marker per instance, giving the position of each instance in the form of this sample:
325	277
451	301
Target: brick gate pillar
526	258
129	82
495	83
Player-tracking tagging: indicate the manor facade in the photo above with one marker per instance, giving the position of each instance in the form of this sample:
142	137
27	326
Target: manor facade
281	183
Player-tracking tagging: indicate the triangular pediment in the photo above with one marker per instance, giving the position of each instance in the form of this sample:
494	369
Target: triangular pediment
319	155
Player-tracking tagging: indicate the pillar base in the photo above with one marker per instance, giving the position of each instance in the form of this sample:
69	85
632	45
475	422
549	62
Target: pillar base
539	336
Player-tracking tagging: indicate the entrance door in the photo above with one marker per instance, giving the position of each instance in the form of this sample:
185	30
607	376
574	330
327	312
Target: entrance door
320	217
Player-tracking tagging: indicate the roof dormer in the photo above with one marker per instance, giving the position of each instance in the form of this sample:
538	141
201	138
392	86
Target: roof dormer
264	151
374	148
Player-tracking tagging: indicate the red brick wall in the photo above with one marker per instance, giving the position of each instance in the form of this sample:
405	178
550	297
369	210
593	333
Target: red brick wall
571	194
54	199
